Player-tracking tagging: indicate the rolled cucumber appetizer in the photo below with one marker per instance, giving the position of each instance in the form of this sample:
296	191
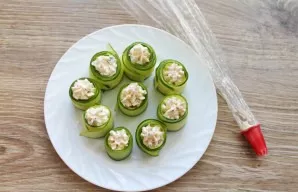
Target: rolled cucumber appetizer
151	136
170	77
138	60
98	121
84	93
172	111
132	99
106	68
118	143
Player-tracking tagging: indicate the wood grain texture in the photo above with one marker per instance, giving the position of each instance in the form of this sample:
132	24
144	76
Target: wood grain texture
260	42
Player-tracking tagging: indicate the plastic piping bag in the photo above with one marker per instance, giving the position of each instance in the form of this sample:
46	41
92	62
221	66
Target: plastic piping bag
184	19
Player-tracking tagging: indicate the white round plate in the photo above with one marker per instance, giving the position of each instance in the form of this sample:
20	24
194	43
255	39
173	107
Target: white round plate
140	172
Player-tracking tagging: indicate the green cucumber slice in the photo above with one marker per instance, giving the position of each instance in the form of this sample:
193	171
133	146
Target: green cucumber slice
111	49
132	111
85	104
93	135
105	82
144	148
173	125
119	155
138	72
165	87
97	131
134	76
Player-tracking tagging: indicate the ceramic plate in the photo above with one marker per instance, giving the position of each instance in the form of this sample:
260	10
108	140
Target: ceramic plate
87	157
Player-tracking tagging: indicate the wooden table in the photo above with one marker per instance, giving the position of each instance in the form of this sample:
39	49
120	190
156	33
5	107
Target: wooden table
259	39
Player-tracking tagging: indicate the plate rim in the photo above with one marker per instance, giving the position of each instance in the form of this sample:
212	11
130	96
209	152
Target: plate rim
119	26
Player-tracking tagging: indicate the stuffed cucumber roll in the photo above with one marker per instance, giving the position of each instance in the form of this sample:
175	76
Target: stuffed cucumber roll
173	111
132	99
138	60
151	136
170	77
106	68
98	121
118	143
84	92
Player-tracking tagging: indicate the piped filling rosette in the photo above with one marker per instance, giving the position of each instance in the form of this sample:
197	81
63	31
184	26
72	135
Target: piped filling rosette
132	99
173	111
119	143
151	135
98	121
138	60
106	68
84	92
170	77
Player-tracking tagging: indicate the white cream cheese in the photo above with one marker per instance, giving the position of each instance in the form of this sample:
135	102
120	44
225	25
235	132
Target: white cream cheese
139	54
118	140
153	136
97	115
174	74
173	108
132	95
83	89
105	65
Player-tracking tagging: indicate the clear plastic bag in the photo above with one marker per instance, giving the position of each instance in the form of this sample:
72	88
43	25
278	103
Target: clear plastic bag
185	20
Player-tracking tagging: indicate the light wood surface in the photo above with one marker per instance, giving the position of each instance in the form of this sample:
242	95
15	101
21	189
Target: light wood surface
259	39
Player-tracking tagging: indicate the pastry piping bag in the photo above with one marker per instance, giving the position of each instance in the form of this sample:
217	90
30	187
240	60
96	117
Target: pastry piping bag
184	19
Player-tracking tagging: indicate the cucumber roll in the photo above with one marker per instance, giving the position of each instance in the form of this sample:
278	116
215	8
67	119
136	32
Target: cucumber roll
106	68
172	111
98	121
118	143
138	60
151	136
170	77
84	93
132	99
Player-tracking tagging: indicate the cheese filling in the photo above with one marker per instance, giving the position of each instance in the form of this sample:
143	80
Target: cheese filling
173	108
97	115
139	54
105	65
83	89
118	140
174	74
153	136
133	95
